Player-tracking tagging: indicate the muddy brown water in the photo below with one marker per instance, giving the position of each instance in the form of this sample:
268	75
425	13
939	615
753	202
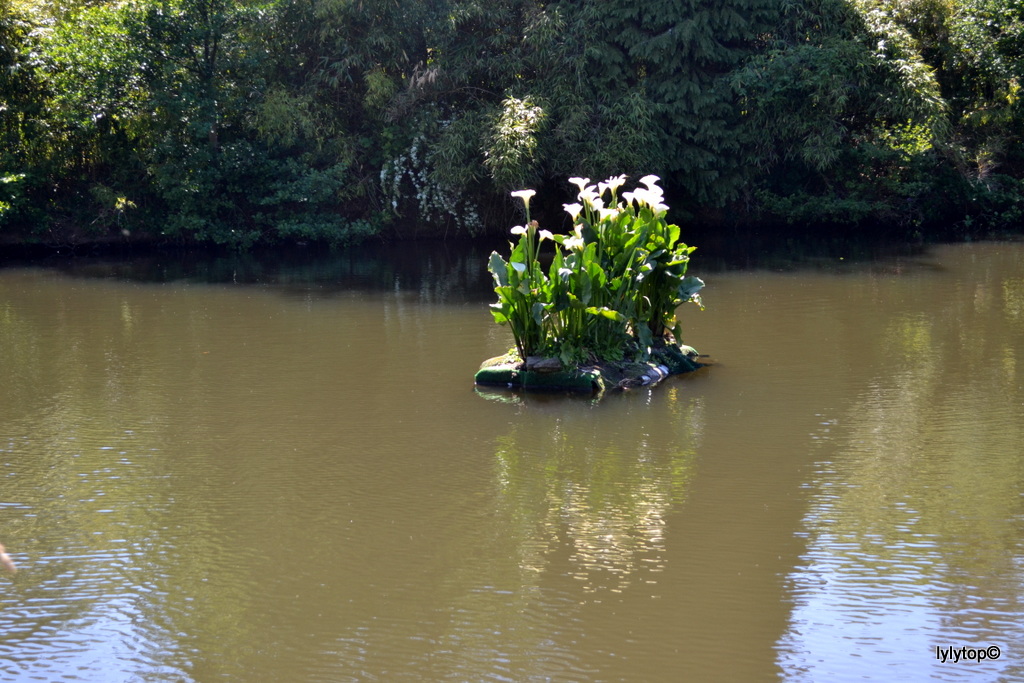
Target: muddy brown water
293	479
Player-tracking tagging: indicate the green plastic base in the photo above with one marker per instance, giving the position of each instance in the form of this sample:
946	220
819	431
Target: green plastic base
511	377
505	371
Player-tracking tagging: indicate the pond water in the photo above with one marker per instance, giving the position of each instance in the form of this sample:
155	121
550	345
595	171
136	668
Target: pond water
228	472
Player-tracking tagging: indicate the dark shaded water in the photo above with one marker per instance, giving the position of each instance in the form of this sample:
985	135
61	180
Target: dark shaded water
288	475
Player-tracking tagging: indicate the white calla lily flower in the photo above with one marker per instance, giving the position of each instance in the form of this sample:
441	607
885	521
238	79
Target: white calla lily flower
615	183
651	181
525	196
574	242
591	199
580	182
651	198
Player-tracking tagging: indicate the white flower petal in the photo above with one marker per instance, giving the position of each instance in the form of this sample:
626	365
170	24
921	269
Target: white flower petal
644	197
615	182
573	209
524	194
580	182
651	181
591	199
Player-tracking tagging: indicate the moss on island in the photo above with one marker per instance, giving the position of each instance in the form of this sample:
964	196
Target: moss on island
540	373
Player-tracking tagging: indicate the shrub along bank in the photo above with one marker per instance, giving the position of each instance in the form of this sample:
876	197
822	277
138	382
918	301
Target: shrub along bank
247	122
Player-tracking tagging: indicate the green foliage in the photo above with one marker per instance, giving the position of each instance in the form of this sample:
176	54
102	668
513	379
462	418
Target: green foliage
248	121
680	55
510	155
9	194
613	285
23	141
95	110
838	108
180	110
893	111
413	180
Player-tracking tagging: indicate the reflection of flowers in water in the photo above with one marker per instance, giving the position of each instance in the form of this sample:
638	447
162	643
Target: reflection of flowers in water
611	541
589	501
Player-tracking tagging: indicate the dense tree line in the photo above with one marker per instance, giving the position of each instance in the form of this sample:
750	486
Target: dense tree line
254	121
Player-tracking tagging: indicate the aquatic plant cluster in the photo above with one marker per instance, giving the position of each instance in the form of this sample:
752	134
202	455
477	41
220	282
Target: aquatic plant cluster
614	282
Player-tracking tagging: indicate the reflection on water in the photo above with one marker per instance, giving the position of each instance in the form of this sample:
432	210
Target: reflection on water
600	495
434	272
289	476
914	529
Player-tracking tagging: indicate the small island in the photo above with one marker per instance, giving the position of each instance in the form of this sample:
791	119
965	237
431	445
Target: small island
602	315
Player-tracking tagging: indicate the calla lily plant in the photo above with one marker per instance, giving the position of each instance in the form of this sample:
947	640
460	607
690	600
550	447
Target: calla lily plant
614	282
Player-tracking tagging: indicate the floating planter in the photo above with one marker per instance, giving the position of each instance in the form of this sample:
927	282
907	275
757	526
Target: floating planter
603	314
548	374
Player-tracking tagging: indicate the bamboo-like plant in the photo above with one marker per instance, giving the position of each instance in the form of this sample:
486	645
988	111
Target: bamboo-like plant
613	285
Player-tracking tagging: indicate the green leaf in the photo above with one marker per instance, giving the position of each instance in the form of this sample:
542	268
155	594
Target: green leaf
500	314
646	339
498	268
538	313
688	288
673	234
606	312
